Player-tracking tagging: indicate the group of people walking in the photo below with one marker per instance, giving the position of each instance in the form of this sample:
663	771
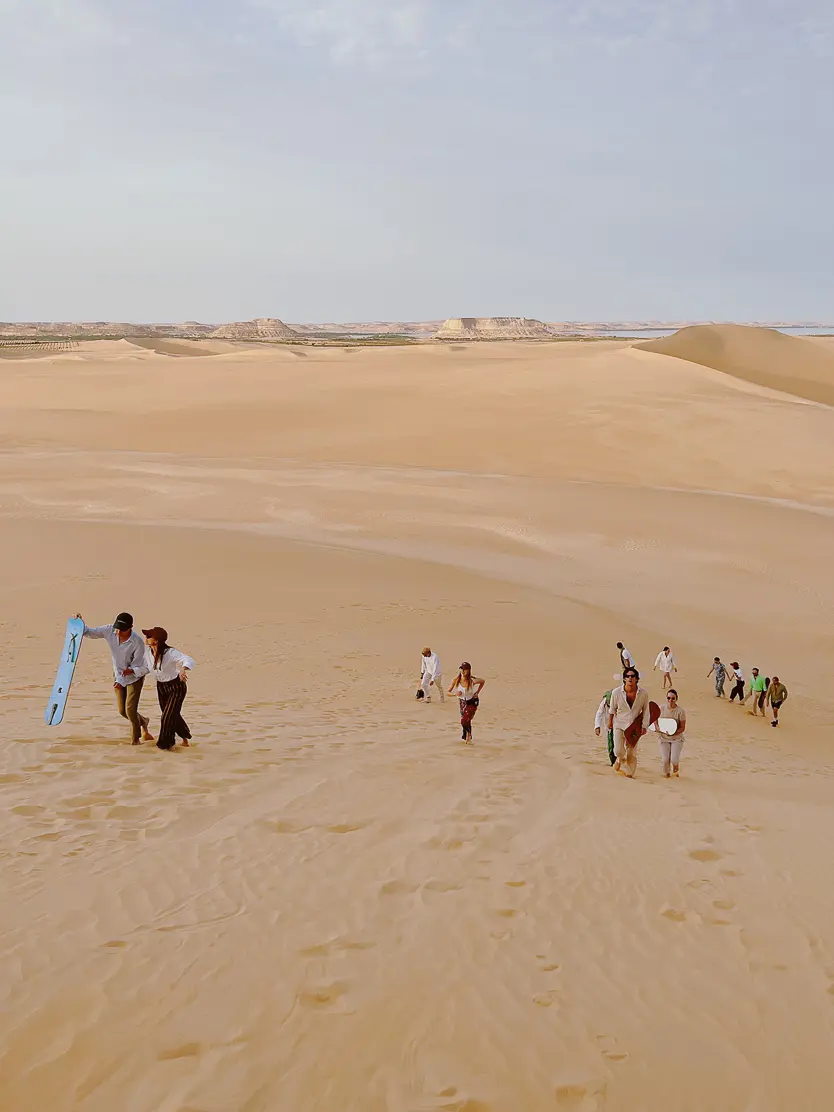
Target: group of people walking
764	691
466	686
628	714
133	660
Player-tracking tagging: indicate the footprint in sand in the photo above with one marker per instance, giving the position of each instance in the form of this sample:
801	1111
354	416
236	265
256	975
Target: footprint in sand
674	915
347	827
546	999
515	883
442	886
589	1097
187	1050
705	855
450	1100
608	1047
326	996
282	827
28	809
397	888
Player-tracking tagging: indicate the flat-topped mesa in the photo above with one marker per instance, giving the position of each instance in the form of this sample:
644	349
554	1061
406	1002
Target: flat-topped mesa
263	328
493	328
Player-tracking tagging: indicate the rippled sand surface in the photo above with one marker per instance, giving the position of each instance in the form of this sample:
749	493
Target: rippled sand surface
328	902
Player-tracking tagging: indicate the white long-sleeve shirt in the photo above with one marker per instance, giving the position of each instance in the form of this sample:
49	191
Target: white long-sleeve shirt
626	658
126	654
431	665
601	718
169	666
624	714
665	661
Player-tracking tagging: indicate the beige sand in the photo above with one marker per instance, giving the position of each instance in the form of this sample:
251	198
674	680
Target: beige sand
799	365
329	903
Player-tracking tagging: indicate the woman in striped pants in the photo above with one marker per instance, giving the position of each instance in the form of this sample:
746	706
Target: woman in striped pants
170	668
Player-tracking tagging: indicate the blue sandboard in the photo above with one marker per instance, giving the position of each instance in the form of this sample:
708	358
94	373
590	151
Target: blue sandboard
72	647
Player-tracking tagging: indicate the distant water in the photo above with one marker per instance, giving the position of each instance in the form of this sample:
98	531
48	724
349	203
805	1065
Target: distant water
655	333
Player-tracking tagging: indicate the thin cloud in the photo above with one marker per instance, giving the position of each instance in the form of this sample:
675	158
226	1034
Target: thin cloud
350	29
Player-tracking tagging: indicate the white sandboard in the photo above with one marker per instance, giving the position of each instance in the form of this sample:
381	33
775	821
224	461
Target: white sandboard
72	647
667	726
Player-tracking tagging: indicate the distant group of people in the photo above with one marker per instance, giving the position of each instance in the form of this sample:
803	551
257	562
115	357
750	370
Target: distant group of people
628	713
764	691
466	686
133	660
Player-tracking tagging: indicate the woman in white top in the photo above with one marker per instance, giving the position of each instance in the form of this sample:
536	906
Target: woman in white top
170	668
670	744
468	688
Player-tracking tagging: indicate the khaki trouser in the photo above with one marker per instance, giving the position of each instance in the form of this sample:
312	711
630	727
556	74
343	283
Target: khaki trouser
626	754
127	700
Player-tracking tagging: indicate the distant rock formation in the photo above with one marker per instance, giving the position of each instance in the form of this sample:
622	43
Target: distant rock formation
493	328
264	328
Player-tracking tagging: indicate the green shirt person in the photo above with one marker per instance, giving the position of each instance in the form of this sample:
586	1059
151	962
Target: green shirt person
758	690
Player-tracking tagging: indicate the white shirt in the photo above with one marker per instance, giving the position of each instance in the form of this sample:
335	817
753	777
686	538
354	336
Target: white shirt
624	714
665	661
601	715
169	666
467	693
126	654
627	658
431	666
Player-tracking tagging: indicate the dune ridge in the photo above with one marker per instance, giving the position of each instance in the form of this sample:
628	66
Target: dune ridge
791	364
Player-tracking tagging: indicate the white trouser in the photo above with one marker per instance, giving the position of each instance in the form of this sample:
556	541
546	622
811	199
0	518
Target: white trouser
670	753
626	754
426	683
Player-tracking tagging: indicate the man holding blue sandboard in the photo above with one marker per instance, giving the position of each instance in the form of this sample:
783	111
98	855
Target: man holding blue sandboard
129	670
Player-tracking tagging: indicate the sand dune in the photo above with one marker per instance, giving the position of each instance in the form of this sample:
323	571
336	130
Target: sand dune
765	356
328	902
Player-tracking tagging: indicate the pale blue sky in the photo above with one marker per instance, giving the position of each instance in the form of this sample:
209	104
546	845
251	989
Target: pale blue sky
410	159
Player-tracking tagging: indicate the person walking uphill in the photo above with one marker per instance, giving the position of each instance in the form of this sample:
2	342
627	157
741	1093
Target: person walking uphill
629	705
666	663
431	675
720	671
599	722
777	693
170	668
737	680
129	671
757	692
468	688
671	744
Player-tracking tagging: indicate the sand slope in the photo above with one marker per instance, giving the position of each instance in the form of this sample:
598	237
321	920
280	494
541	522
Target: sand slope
328	903
792	364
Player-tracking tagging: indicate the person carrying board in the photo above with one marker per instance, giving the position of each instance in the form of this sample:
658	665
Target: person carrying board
671	727
629	714
129	670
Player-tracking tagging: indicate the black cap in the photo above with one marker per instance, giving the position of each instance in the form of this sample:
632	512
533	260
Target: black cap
124	621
